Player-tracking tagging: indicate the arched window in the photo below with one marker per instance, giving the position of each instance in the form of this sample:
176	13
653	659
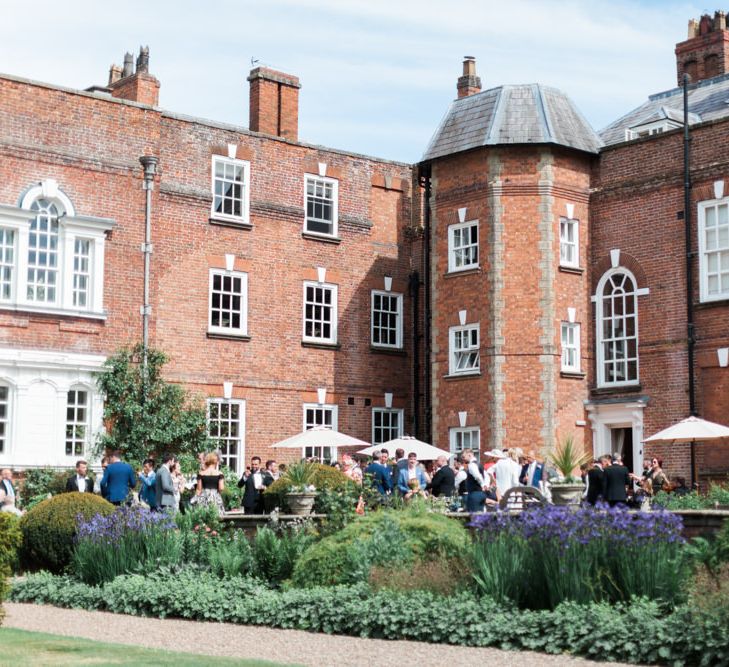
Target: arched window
617	329
77	420
52	260
43	252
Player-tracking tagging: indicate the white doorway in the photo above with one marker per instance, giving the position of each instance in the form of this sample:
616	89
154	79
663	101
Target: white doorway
617	428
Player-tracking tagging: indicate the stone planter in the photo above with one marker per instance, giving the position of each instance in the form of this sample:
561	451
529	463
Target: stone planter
567	494
300	504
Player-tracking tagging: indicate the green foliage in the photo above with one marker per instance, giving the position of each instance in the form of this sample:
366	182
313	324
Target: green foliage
10	540
718	494
637	632
319	475
276	554
567	458
232	495
49	528
388	537
39	482
147	414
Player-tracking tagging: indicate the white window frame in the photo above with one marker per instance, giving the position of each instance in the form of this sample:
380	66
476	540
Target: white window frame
471	431
7	420
651	129
70	228
335	206
452	267
570	346
704	253
85	424
566	246
244	217
318	452
398	319
332	339
399	432
602	380
453	354
241	439
242	330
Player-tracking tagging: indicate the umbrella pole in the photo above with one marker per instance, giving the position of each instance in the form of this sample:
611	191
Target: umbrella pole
693	464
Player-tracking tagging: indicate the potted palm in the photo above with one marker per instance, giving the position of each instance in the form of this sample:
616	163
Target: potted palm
566	488
300	491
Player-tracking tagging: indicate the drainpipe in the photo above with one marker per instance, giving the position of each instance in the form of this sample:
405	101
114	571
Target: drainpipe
149	163
425	179
414	293
690	329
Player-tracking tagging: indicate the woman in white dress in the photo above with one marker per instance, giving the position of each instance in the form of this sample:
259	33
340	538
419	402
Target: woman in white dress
506	472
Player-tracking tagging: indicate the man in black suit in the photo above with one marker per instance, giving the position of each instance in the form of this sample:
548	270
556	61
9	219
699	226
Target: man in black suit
254	484
595	481
444	480
80	481
616	480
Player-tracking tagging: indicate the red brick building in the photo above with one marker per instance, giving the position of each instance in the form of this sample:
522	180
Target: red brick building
279	271
525	282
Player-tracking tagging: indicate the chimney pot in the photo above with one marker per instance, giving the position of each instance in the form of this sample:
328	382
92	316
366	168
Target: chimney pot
143	59
693	28
115	73
128	65
719	20
469	83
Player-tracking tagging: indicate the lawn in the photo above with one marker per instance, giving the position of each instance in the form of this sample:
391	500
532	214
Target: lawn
19	647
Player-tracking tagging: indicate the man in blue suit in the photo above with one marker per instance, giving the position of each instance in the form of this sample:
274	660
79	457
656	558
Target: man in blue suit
119	479
380	473
411	472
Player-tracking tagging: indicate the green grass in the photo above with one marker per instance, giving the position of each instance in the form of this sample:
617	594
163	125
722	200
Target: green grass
20	647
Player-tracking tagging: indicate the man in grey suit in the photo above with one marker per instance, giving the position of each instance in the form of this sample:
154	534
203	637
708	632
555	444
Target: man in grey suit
164	489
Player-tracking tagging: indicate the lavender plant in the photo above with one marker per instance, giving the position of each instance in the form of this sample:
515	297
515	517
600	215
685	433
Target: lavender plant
587	555
132	539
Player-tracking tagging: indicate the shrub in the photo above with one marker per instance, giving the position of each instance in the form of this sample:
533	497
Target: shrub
128	540
637	632
50	527
321	476
10	539
275	555
582	555
386	538
39	483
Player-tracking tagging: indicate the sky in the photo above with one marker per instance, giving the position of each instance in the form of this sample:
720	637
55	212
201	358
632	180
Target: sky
377	75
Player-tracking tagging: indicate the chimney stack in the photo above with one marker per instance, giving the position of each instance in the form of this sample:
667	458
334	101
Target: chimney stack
705	53
139	86
274	103
469	83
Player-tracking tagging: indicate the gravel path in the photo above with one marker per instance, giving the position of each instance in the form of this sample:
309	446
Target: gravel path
287	646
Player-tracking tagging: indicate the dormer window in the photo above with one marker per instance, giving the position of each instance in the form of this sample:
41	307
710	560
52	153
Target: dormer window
651	129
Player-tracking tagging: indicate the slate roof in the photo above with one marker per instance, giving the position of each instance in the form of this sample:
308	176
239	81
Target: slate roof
507	115
708	100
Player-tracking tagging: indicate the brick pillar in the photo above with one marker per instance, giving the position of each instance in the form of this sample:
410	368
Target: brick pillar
274	103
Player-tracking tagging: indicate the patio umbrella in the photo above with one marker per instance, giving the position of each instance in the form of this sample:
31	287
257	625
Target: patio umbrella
320	436
690	431
424	451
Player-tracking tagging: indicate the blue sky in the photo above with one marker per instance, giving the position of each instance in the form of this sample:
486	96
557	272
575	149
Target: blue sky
377	75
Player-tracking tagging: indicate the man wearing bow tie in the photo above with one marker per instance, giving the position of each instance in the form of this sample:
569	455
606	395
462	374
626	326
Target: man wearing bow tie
79	481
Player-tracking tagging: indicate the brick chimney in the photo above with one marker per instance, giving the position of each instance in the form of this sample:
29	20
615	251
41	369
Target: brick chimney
139	86
706	51
469	83
274	103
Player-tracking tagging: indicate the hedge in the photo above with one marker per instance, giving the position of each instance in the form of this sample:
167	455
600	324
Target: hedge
638	631
10	539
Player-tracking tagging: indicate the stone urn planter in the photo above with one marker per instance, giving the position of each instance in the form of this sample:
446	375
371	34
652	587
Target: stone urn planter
300	503
567	494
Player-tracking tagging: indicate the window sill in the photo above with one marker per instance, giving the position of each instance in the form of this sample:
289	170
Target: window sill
58	312
718	303
574	375
463	272
238	223
462	376
321	237
575	270
228	335
621	389
395	351
320	346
